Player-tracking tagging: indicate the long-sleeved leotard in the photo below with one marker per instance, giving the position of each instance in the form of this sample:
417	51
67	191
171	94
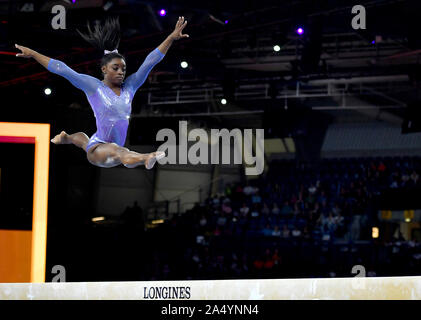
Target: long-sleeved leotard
112	112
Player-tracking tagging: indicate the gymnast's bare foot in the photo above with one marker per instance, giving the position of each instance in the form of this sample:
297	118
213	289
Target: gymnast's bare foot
152	158
60	138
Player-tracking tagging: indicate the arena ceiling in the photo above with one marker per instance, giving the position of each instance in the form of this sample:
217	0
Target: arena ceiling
330	67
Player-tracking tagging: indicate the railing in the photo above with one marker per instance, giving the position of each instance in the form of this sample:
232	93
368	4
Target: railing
373	86
161	209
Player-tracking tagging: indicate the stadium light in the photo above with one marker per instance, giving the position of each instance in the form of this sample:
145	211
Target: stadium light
162	12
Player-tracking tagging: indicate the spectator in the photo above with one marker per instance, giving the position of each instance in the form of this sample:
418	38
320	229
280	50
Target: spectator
222	220
332	274
235	214
235	266
297	210
215	201
226	208
355	228
322	223
276	258
336	210
276	232
244	264
268	263
256	199
267	231
285	232
306	233
293	200
331	224
340	225
381	167
311	197
249	190
395	183
217	232
265	209
203	221
220	267
404	179
228	190
296	233
322	197
258	263
239	189
286	209
312	189
244	210
324	209
275	210
255	212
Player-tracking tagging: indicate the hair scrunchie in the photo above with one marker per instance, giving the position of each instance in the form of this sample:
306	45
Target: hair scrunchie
107	52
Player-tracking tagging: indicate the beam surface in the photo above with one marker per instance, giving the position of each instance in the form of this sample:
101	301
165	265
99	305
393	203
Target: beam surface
376	288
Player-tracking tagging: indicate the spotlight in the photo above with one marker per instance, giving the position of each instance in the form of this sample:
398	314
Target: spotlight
96	219
276	48
184	64
47	91
224	101
373	42
162	12
300	31
226	21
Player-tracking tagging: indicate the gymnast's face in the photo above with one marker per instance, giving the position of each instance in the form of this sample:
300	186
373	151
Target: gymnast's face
115	71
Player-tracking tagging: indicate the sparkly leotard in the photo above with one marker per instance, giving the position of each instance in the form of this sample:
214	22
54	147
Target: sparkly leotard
112	112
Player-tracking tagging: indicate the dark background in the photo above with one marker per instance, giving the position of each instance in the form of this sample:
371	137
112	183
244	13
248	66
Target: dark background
225	58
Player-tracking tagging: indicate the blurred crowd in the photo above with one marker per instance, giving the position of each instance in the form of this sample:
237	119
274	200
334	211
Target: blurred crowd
303	220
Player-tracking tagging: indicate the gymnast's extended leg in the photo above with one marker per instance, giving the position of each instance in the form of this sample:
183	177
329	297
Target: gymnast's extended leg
79	139
111	155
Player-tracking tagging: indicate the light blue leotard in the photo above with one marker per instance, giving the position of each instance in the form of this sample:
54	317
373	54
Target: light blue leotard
112	112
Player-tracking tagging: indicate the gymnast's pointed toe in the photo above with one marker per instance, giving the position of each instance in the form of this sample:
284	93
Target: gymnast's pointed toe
154	156
60	138
159	155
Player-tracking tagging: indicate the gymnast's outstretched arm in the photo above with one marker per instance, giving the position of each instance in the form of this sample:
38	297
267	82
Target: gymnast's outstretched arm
175	35
81	81
134	81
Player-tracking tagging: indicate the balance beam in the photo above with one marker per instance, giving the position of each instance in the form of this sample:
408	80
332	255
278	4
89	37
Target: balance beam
376	288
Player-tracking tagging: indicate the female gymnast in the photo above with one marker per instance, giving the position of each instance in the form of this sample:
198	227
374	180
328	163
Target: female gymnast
110	98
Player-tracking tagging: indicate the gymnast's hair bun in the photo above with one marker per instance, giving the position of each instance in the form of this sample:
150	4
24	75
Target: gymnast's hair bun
104	37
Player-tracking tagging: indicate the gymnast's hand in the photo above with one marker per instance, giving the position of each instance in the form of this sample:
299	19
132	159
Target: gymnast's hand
26	52
178	31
